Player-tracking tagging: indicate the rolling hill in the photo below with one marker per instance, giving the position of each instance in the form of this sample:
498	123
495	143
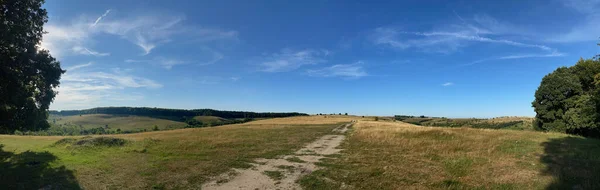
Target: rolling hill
114	122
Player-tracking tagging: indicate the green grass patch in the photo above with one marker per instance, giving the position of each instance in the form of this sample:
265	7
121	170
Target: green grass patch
275	175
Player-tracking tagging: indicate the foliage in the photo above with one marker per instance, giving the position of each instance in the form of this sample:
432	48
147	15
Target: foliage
567	100
174	114
28	75
92	141
516	124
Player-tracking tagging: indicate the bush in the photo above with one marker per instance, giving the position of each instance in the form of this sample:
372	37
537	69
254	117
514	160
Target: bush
92	141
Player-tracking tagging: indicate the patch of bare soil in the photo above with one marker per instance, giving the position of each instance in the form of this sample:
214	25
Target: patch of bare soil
281	173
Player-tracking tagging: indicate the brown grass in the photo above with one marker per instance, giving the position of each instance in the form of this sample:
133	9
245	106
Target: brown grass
311	120
175	159
386	155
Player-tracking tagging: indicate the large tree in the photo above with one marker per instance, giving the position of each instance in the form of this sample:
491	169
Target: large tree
28	75
568	99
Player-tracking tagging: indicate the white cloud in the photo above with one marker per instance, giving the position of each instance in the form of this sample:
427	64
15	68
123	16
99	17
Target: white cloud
289	60
100	18
73	68
82	89
146	31
444	41
521	56
517	56
86	51
448	84
340	70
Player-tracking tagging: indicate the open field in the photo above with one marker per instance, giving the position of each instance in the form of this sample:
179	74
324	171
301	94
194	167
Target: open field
375	155
182	158
386	155
123	122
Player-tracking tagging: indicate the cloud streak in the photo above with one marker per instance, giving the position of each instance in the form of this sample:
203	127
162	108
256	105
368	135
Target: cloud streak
448	84
450	41
354	70
100	18
289	60
76	67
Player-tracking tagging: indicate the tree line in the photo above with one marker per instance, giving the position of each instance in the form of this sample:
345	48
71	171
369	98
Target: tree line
175	114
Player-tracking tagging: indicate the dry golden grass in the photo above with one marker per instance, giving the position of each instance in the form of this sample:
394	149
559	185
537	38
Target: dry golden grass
310	120
396	155
175	159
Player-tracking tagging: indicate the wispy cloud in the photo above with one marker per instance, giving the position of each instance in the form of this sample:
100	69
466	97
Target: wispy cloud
354	70
448	84
100	18
586	28
516	56
289	60
521	56
86	51
439	41
84	89
147	31
75	67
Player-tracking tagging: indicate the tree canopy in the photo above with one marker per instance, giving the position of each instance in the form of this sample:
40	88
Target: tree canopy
568	99
177	114
28	75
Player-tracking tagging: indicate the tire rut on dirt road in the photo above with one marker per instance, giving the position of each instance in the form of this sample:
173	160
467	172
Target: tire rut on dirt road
282	173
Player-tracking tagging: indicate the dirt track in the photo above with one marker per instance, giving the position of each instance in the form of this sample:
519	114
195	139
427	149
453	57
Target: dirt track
290	167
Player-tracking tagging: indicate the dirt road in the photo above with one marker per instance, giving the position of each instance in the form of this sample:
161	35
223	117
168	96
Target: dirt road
283	172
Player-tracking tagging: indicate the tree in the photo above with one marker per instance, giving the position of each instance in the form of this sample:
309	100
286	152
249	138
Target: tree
155	128
28	75
567	100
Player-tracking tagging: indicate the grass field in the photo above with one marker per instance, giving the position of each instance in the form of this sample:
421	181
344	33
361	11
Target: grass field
114	122
376	155
395	155
175	159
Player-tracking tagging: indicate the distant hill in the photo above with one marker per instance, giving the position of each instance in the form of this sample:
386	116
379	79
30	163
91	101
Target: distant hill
210	119
114	122
174	114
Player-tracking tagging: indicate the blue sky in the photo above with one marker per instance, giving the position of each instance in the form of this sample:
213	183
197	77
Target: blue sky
438	58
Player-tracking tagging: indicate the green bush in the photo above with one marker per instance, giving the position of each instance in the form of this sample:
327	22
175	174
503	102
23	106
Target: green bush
92	141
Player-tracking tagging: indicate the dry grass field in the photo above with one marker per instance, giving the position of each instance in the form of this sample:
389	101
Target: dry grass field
175	159
396	155
377	155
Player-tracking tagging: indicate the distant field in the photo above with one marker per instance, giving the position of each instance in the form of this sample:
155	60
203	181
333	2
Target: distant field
174	159
515	123
395	155
114	122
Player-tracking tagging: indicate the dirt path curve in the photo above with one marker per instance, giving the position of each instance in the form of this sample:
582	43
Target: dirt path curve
283	172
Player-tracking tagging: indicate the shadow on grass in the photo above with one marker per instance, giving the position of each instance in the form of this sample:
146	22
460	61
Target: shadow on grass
32	170
574	162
